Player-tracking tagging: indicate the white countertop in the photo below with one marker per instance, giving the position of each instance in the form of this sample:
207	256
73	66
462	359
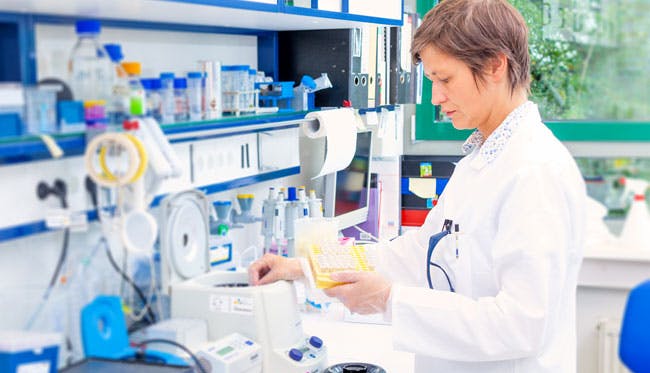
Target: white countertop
618	253
612	266
356	342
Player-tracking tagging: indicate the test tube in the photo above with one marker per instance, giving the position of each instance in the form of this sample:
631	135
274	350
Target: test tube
195	95
168	104
213	107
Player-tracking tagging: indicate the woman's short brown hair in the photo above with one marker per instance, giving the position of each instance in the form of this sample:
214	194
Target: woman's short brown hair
475	32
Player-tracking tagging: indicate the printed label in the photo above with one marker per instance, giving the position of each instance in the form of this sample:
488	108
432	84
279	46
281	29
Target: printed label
219	303
241	305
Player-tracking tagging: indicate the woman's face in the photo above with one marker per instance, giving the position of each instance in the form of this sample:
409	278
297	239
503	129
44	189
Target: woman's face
455	90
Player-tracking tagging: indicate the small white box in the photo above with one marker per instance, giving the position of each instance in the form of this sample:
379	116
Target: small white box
32	352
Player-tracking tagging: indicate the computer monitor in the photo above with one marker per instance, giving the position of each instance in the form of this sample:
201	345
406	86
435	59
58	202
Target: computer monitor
347	191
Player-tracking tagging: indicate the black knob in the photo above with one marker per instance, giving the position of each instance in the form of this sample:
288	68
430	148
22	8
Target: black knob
355	368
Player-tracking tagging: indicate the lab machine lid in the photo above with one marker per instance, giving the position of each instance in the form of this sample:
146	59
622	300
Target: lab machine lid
184	242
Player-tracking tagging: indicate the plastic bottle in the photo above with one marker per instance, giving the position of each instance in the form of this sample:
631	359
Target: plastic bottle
89	67
195	95
168	104
137	99
636	230
152	93
180	99
119	101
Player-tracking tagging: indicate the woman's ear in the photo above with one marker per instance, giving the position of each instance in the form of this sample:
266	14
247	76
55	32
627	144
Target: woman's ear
497	68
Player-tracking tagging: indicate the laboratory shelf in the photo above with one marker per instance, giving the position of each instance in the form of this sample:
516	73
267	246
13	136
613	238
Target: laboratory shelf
580	131
32	148
255	15
36	227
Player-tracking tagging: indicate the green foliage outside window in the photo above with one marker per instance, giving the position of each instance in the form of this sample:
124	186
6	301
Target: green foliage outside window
590	59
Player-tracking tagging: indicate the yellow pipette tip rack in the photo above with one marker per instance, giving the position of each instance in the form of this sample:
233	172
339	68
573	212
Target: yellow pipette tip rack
325	261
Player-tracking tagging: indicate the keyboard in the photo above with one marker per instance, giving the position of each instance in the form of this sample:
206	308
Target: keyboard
336	258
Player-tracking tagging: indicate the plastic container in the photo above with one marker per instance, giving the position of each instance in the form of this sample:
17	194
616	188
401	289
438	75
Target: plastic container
95	114
118	104
180	99
195	95
154	99
137	97
168	104
70	115
234	81
40	109
89	67
22	351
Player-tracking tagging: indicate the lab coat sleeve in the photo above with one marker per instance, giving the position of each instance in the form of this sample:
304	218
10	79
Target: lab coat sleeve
531	250
402	261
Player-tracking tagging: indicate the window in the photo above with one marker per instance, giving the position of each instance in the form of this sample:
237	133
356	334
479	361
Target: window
590	59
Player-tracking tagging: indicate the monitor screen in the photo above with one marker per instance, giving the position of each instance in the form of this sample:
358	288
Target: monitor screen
346	191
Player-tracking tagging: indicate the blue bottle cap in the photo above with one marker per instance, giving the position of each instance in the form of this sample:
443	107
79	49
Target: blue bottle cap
155	83
146	84
180	83
308	82
252	72
222	203
84	26
194	75
167	75
291	194
114	52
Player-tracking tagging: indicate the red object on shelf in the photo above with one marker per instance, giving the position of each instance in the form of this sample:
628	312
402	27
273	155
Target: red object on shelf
347	103
414	218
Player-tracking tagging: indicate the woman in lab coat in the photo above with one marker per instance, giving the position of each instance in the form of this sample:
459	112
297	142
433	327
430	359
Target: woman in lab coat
518	199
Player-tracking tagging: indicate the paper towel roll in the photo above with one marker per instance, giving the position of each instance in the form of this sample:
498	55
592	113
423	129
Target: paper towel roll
340	132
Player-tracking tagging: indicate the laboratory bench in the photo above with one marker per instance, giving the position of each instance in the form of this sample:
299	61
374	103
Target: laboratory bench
607	272
349	342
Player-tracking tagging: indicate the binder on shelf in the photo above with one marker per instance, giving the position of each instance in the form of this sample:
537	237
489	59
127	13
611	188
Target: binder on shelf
404	75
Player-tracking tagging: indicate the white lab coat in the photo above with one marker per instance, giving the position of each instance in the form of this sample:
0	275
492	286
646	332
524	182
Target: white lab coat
521	220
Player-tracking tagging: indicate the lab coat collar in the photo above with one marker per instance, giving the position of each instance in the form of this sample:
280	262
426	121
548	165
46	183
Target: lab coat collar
489	149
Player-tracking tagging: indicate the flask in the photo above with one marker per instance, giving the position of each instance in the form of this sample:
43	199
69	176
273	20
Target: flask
89	66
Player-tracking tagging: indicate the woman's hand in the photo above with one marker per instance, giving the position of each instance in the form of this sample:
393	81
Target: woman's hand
362	293
271	268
